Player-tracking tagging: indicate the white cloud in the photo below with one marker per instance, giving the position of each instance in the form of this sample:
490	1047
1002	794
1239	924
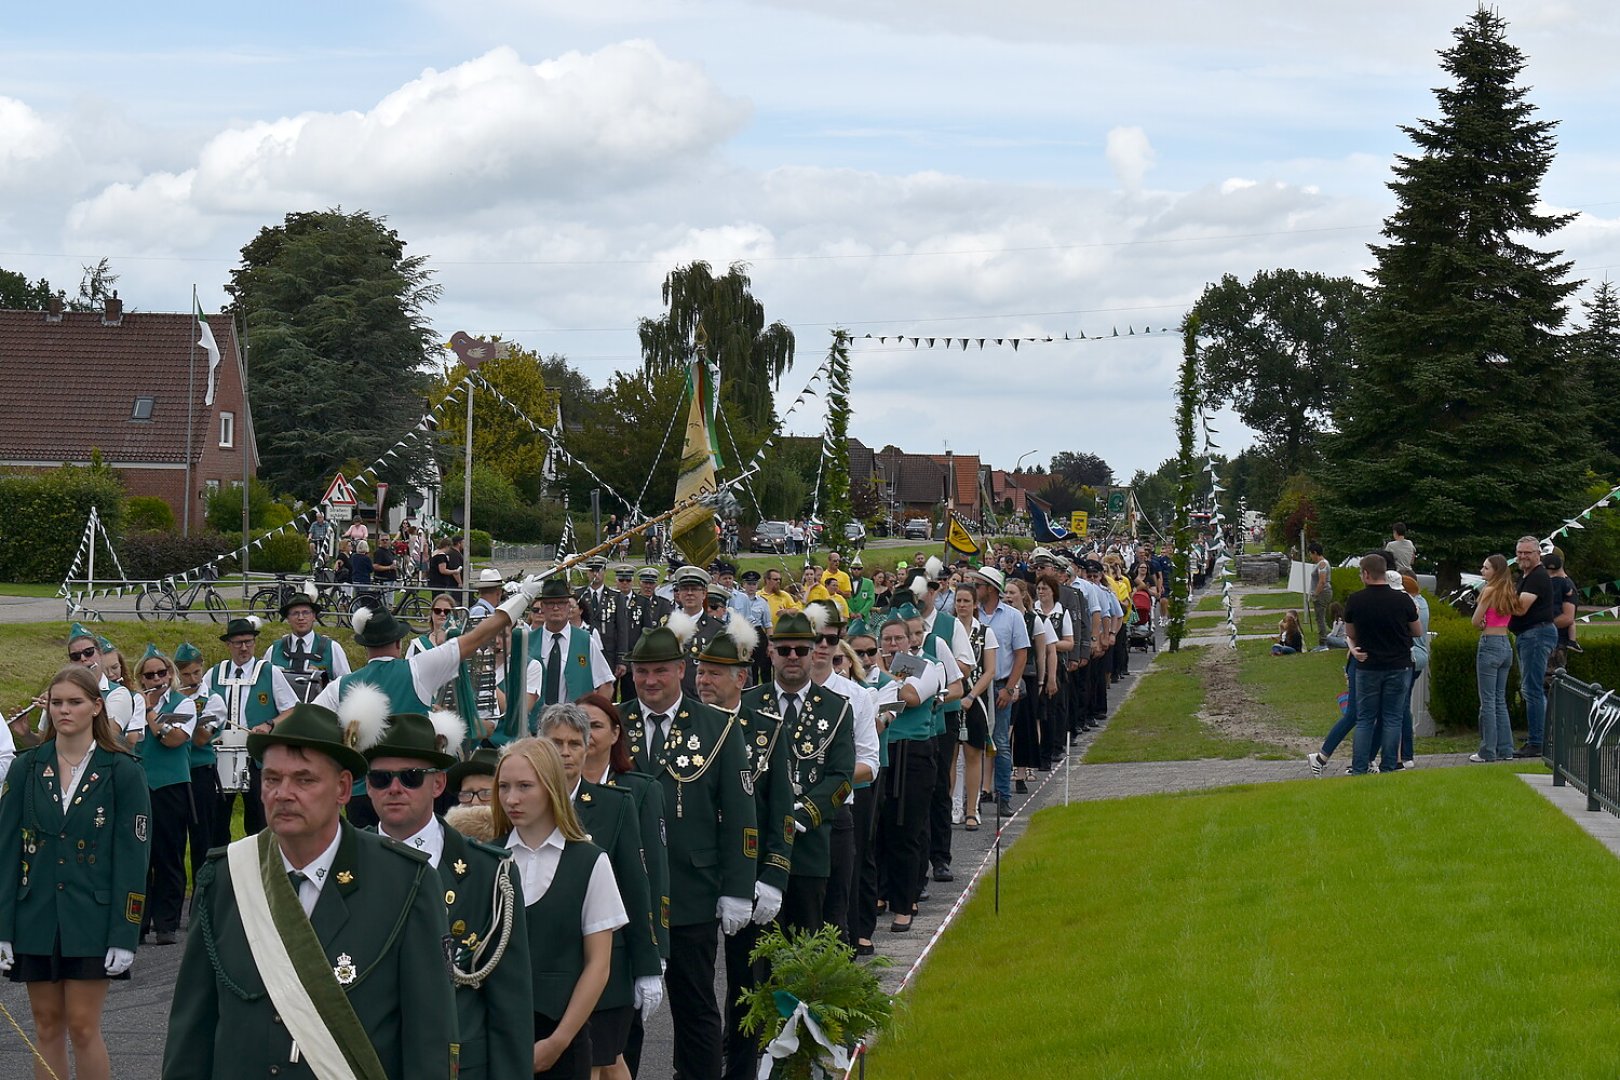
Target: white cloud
24	135
1130	155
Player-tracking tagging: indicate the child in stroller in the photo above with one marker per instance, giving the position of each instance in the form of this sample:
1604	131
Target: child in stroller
1140	635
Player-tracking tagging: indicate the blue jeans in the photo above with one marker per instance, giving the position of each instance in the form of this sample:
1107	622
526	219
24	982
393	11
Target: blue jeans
1378	701
1535	647
1491	665
1348	720
1001	736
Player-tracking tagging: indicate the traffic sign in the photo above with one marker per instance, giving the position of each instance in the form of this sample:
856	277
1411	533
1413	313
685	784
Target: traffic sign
340	493
1079	522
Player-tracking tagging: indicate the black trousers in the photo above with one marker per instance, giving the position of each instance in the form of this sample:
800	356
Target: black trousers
690	982
903	822
1122	652
864	896
939	804
205	803
1097	677
742	1052
253	801
841	884
1055	731
803	903
1079	694
166	872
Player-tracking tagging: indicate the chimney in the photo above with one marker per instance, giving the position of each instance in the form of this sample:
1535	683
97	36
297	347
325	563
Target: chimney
115	310
53	310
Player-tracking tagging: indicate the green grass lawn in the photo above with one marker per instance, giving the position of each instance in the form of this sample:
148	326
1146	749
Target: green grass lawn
1393	926
1266	601
27	588
1159	721
1213	602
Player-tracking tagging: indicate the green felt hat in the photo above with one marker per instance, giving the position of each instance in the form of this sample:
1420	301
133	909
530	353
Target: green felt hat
733	645
793	626
187	653
312	728
657	645
481	763
305	597
105	644
236	627
905	611
431	739
555	588
857	628
77	632
374	629
151	651
830	615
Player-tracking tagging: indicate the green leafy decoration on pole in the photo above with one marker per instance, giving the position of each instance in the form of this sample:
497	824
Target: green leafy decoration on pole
835	445
1186	401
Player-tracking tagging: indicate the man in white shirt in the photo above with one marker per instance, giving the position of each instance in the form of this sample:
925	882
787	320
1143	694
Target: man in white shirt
310	659
558	648
840	886
257	696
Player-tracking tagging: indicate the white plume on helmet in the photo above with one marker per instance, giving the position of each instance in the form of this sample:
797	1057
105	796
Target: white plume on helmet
817	614
743	632
450	728
255	622
683	626
363	713
310	590
919	587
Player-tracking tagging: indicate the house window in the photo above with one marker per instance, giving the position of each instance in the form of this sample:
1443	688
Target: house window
227	430
142	409
211	488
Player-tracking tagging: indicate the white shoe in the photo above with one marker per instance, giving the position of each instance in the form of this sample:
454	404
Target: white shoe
956	814
1318	764
1408	764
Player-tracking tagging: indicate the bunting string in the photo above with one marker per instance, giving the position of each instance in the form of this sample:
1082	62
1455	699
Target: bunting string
1584	515
923	341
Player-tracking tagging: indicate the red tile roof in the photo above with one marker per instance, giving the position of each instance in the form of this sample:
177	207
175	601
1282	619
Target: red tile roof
69	386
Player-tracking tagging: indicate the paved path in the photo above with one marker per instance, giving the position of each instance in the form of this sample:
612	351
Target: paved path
1600	824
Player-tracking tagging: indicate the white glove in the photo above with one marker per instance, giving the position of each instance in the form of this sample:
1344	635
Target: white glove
798	826
649	994
118	961
517	605
767	902
734	913
7	957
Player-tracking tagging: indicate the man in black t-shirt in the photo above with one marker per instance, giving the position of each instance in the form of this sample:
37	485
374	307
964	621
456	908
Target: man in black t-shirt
1533	627
1564	596
1380	623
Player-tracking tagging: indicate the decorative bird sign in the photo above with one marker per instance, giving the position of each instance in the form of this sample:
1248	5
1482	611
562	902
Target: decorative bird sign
473	351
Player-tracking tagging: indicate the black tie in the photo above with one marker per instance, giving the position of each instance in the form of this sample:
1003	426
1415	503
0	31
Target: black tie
238	675
790	710
553	670
658	720
297	879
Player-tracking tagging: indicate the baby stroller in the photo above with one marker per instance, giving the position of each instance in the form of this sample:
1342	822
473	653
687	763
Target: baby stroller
1140	634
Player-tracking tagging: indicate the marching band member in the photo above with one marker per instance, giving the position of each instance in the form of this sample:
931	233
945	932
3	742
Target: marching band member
257	696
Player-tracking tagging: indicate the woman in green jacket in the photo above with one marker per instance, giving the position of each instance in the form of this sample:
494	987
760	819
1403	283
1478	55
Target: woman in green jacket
74	822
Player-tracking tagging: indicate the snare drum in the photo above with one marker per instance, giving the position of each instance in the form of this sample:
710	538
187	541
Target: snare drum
232	763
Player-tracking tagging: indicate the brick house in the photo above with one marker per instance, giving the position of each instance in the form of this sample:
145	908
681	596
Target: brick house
115	381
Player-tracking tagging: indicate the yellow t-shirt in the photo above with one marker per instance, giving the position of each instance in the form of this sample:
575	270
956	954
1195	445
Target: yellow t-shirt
842	578
779	602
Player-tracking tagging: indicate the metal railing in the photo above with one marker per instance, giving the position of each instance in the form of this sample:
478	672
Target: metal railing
1583	740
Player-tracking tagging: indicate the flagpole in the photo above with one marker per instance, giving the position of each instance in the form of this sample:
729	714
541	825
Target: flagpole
191	411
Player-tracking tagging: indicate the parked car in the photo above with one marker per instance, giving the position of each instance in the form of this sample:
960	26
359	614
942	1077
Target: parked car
770	536
855	535
916	529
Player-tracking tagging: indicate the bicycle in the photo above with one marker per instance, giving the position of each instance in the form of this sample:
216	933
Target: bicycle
266	603
162	601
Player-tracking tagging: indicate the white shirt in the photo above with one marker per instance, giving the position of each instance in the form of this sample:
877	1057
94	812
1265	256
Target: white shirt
70	782
864	711
600	672
655	738
340	659
121	705
536	867
429	840
281	690
8	750
430	670
957	634
315	873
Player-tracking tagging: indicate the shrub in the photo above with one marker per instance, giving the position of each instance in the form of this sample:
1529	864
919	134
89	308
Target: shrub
284	553
148	513
148	556
480	545
224	508
45	514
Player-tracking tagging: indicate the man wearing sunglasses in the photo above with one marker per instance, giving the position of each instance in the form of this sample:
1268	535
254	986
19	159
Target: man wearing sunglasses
818	725
406	775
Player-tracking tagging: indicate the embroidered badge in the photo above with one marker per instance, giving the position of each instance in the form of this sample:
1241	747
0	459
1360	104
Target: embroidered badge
788	831
140	826
460	868
49	772
449	897
582	661
264	699
135	908
751	843
345	877
747	781
345	969
663	911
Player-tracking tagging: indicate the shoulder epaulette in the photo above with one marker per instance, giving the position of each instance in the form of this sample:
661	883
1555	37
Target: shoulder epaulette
390	844
487	848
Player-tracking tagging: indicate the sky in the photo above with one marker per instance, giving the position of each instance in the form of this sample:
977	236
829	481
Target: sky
1030	167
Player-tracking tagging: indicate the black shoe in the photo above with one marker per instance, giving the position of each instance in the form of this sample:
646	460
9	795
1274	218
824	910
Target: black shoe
1004	808
1074	735
864	950
942	872
1020	788
163	937
1528	750
985	796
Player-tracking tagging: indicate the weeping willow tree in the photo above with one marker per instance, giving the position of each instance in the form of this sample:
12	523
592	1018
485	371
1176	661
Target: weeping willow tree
835	445
751	356
1186	471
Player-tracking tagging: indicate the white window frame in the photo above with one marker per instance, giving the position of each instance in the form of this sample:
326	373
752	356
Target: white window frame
227	430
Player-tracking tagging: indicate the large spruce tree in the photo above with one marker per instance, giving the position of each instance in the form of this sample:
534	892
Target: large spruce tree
1596	347
1457	418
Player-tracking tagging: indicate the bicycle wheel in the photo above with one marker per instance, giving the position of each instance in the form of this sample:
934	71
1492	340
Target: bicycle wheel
266	603
215	604
413	605
154	605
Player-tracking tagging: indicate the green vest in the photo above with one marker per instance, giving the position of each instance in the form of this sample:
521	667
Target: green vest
941	644
576	668
320	659
556	944
168	765
917	722
879	679
392	677
260	706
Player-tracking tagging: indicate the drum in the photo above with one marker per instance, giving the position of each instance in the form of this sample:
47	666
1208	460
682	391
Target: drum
232	763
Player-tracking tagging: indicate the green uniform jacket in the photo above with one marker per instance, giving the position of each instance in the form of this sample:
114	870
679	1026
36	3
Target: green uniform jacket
609	816
771	782
710	818
496	1019
821	763
649	796
382	908
81	874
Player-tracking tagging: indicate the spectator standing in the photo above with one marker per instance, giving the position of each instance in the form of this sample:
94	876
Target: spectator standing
1321	592
439	579
1563	611
1381	623
1401	548
1532	625
1497	603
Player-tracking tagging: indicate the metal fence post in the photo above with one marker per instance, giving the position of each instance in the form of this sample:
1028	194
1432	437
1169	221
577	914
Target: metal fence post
1556	740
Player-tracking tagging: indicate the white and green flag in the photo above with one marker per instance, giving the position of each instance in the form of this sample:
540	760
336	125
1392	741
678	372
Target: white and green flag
206	340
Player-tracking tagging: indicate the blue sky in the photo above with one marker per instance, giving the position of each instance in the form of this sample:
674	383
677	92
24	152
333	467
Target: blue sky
1082	166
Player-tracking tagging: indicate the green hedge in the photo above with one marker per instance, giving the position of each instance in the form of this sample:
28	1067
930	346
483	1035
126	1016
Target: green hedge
148	513
45	514
286	552
148	556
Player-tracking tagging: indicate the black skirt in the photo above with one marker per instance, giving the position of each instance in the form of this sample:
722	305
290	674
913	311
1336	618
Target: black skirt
610	1030
32	967
575	1062
977	721
1026	729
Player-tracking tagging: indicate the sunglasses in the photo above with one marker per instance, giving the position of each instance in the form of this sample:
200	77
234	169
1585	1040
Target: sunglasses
442	611
411	779
830	639
866	654
838	661
153	676
83	654
793	650
536	610
473	796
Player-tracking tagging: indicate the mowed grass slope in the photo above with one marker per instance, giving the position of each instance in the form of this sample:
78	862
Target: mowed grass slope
1384	927
1159	721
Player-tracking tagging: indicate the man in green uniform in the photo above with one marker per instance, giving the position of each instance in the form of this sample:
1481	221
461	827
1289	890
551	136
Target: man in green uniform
819	729
315	949
862	593
696	753
494	981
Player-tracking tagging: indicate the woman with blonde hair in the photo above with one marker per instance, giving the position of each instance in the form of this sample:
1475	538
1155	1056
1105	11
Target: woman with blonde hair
1498	601
73	864
571	902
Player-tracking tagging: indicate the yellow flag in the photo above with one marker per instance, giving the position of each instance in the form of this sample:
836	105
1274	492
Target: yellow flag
958	538
693	528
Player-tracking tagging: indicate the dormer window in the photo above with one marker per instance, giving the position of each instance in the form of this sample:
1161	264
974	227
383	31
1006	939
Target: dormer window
142	409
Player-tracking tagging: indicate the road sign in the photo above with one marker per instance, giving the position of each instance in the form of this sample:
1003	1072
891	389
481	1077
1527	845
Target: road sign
1116	500
340	493
340	513
1078	522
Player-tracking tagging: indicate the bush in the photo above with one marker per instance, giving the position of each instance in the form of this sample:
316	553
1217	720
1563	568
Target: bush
284	553
45	514
148	513
224	507
148	556
480	545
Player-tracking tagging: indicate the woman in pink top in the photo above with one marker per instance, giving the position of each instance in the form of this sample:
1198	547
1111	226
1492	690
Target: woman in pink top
1498	598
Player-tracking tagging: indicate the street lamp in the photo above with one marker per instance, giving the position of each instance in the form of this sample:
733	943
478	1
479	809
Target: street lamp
1020	466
